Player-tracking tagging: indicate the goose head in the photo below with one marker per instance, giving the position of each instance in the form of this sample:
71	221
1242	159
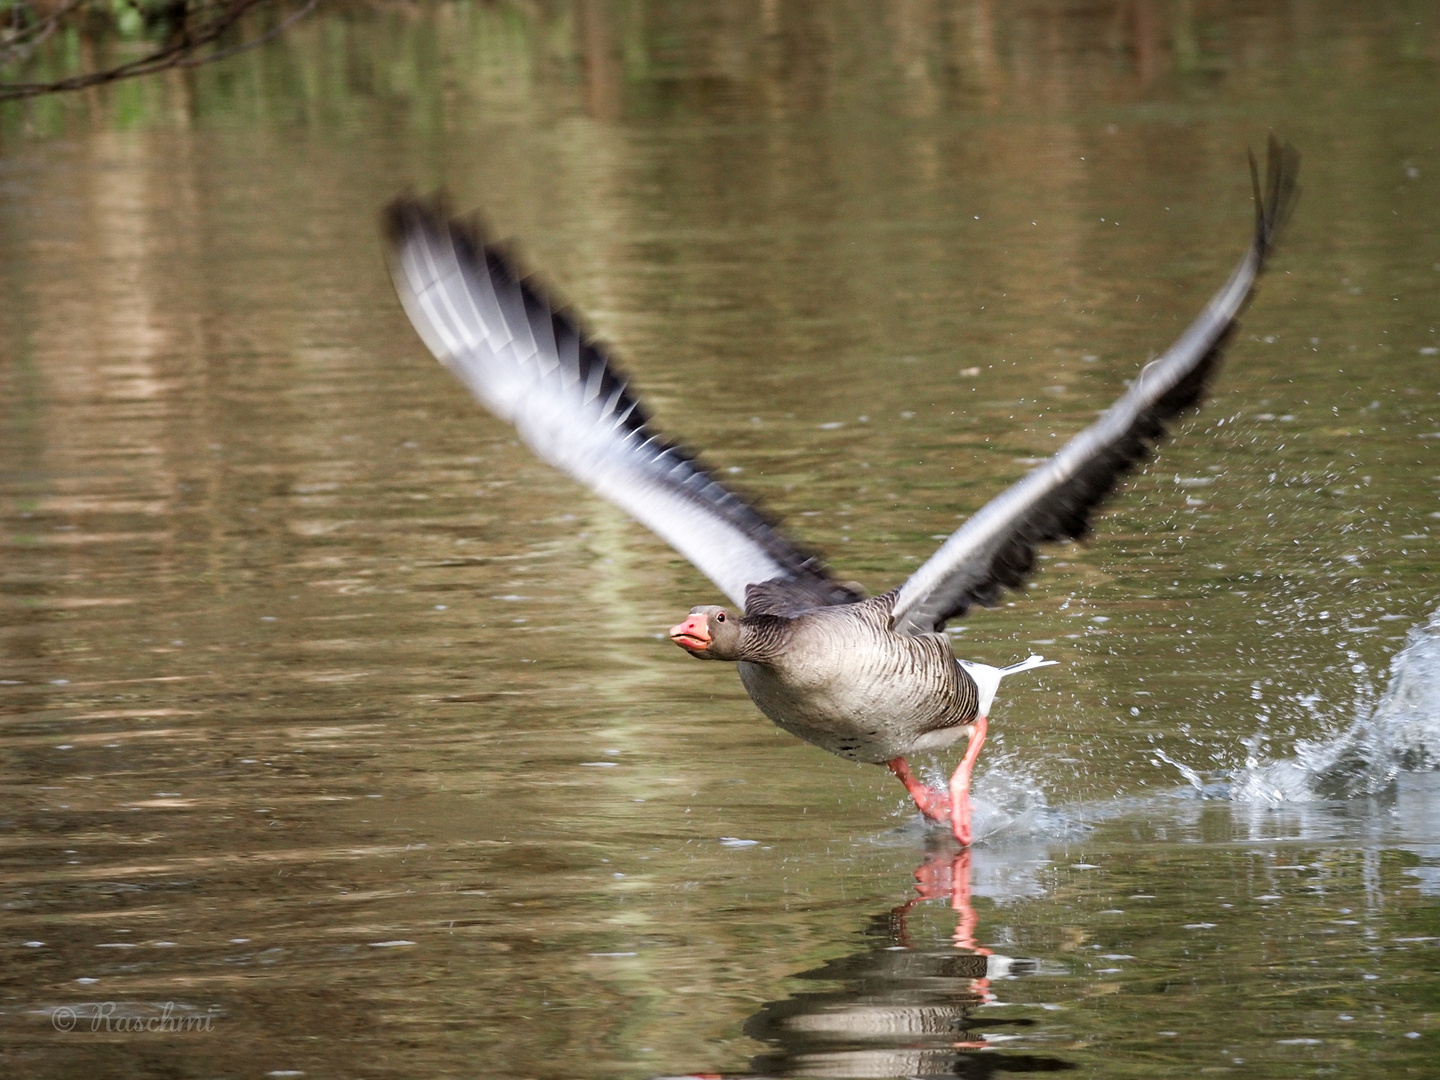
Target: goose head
709	633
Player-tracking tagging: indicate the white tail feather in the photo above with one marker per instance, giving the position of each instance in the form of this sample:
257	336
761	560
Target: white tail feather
987	678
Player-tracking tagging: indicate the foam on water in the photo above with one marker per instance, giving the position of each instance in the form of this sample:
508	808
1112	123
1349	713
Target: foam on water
1400	735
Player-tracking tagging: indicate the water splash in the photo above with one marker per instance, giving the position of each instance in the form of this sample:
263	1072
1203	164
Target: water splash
1192	777
1009	803
1401	734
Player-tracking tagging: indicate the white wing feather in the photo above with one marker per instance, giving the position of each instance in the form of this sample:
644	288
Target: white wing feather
529	364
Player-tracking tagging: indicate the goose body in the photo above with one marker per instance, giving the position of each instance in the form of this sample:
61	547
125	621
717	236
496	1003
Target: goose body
840	678
870	679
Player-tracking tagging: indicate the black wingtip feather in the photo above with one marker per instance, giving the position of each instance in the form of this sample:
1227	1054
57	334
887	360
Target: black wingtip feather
1067	516
1282	191
475	239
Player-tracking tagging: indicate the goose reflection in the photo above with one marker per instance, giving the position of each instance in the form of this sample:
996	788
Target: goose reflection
901	1008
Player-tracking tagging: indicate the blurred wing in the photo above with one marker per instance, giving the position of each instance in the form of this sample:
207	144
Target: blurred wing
996	547
529	363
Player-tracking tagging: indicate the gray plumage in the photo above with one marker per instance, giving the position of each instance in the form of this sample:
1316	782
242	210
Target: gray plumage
839	677
871	680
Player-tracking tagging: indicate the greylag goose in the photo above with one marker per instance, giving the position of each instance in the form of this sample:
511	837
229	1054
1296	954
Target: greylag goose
871	679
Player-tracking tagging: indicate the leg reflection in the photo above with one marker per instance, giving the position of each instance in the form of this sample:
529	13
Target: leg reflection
946	876
904	1003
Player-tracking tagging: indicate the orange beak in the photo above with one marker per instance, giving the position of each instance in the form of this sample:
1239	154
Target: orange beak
692	634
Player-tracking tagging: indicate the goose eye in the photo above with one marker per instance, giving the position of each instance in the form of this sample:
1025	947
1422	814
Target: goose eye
719	616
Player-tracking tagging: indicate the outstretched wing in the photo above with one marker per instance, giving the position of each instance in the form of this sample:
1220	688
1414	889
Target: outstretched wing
996	547
529	362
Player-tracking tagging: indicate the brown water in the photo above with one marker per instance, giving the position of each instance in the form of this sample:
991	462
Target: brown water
339	725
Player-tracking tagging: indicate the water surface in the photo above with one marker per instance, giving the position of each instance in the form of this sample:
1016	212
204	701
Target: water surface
334	719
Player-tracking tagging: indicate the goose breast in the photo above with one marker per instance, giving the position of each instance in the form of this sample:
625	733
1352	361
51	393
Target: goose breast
849	685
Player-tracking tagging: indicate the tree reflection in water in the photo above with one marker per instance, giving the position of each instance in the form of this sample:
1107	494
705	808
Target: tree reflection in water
900	1008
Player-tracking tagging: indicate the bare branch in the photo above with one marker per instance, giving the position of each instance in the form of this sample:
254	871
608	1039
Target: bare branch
182	51
20	44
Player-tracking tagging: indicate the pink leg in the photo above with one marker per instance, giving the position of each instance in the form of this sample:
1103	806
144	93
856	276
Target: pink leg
935	805
960	783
